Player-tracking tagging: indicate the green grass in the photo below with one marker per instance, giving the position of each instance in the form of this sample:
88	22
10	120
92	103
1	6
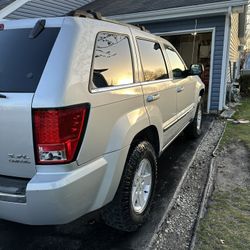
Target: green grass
226	224
240	131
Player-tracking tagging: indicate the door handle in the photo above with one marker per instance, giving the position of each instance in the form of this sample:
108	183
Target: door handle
152	98
180	89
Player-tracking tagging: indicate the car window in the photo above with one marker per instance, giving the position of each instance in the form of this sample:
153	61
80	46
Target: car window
178	67
153	63
22	59
112	64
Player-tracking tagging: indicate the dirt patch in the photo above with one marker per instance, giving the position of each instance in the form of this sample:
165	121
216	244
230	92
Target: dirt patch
177	229
233	167
227	221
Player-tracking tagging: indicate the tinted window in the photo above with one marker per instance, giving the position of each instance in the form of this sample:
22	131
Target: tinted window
152	60
22	60
112	61
177	65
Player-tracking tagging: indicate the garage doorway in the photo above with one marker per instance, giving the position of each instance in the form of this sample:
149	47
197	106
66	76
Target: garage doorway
196	48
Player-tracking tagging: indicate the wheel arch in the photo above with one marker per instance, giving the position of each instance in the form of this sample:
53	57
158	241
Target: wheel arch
202	92
149	134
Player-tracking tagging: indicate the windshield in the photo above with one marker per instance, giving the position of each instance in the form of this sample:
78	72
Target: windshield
22	60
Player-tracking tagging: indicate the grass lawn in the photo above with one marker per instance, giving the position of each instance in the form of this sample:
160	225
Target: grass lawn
241	131
226	224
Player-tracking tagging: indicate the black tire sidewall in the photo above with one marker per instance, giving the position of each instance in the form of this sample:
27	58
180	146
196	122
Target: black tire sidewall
150	156
119	213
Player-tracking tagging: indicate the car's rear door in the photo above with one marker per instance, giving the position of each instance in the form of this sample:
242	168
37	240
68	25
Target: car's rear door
22	61
158	88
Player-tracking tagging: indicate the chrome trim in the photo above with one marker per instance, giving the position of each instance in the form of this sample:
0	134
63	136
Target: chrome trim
152	98
189	109
130	85
157	81
12	195
180	89
174	138
125	86
16	198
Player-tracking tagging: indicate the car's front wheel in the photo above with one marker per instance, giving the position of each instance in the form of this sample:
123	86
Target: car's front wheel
131	205
194	129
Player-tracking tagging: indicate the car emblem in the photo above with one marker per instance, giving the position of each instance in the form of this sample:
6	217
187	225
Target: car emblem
20	158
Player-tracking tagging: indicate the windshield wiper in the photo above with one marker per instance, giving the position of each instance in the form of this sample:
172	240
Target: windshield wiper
3	96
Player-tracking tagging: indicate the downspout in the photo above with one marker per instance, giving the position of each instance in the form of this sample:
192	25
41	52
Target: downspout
225	60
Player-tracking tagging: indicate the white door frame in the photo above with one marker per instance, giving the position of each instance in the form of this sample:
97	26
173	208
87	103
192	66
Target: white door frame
205	30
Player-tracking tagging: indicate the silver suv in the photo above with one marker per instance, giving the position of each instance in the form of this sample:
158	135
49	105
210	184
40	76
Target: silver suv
87	106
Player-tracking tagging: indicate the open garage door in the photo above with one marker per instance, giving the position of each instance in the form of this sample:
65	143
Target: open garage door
195	48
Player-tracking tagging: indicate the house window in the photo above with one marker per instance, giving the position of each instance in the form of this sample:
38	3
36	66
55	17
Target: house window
153	63
112	61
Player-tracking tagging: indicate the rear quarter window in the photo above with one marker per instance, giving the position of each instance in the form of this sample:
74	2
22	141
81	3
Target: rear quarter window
112	64
22	59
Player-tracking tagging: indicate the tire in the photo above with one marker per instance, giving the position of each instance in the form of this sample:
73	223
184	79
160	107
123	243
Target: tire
124	212
194	129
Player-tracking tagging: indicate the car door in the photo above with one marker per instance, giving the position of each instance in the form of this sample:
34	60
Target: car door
185	85
159	90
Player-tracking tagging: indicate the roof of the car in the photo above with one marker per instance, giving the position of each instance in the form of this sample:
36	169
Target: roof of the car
58	21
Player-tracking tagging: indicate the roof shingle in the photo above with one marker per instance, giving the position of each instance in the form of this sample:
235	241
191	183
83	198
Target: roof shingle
4	3
117	7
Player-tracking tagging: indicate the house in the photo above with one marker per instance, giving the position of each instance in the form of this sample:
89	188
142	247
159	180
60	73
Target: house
211	32
248	29
203	31
18	9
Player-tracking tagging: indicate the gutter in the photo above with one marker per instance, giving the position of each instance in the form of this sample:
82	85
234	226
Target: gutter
12	7
180	12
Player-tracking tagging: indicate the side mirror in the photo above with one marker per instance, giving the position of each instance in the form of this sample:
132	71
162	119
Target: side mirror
196	69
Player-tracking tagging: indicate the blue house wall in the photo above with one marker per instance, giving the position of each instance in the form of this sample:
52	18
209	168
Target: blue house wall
217	22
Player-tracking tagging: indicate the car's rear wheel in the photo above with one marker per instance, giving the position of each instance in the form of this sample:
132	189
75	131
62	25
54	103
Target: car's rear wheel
131	205
194	129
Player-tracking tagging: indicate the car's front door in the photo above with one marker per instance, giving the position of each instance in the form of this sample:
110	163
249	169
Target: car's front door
185	85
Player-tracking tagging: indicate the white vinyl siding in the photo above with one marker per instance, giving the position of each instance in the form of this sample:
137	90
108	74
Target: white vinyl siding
234	45
46	8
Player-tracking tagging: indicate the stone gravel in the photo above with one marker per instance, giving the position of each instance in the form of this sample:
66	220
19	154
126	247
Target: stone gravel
177	229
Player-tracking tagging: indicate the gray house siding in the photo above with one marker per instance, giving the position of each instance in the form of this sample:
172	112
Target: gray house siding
46	8
209	22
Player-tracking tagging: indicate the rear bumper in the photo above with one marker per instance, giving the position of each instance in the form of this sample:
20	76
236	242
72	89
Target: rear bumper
59	198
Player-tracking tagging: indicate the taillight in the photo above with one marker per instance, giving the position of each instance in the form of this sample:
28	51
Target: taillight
58	133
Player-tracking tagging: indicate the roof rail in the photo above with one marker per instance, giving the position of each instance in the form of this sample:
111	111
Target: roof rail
141	27
97	15
85	13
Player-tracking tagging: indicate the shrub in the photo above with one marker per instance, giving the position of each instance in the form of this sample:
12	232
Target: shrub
245	85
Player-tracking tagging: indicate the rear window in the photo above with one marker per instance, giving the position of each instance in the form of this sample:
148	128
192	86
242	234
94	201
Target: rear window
22	60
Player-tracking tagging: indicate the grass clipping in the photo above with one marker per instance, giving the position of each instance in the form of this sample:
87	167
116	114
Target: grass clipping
226	224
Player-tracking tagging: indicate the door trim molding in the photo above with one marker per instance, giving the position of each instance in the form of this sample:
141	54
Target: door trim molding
178	117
